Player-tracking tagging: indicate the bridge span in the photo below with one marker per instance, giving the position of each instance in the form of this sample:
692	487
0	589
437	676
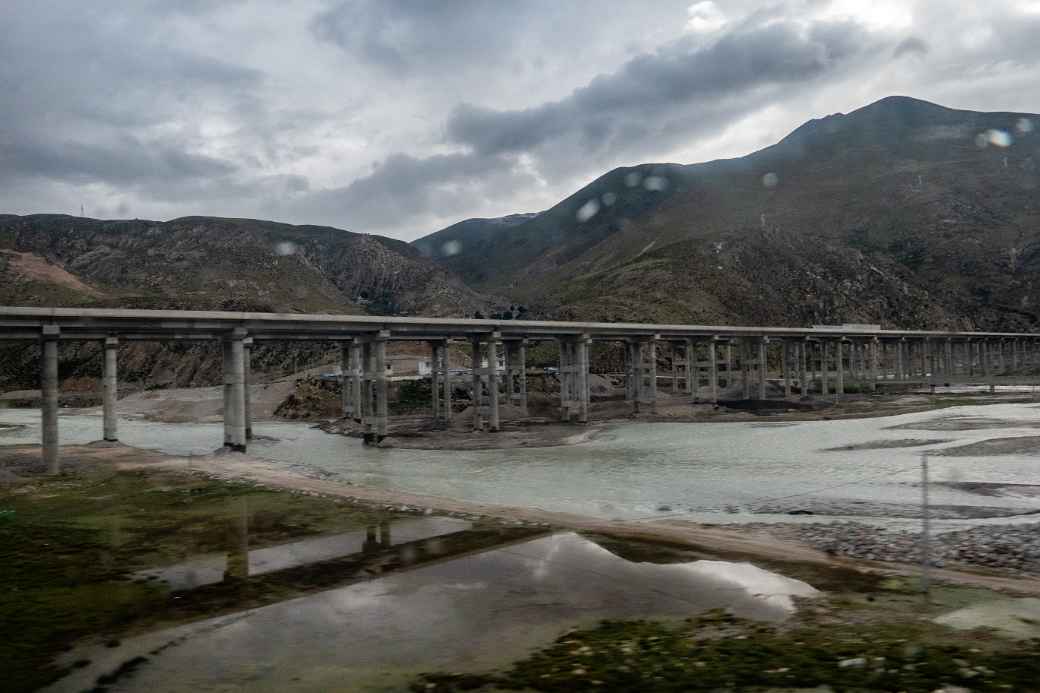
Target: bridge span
820	359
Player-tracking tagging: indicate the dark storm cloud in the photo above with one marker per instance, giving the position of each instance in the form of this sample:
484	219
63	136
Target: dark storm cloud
672	94
404	187
911	46
651	85
93	98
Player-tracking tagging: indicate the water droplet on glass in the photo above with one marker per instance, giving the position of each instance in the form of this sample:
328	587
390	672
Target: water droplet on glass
633	179
982	140
1024	126
770	180
999	138
655	183
451	248
285	248
588	210
609	199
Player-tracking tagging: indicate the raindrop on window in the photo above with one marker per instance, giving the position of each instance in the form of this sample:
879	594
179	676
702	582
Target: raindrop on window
588	210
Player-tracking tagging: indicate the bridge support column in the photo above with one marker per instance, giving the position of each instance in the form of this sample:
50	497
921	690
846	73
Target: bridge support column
803	368
444	364
493	343
729	364
745	367
567	388
234	392
875	355
435	382
355	384
247	379
785	359
824	368
899	359
987	365
519	396
109	391
381	385
839	385
693	371
477	383
582	347
675	367
633	374
49	404
713	371
763	366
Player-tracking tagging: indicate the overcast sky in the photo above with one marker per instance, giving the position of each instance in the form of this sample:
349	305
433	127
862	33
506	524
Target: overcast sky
400	117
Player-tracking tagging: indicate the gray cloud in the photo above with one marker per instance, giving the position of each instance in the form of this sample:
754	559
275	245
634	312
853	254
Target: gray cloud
398	116
650	85
910	46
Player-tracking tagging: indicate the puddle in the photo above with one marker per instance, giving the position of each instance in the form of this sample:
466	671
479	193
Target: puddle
470	612
1014	618
245	563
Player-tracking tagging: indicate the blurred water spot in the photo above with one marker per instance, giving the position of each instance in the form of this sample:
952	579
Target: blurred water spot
588	210
451	248
633	179
655	183
998	138
770	180
1024	126
285	248
609	199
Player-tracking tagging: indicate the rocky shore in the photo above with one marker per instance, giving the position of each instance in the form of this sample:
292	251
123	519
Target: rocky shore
1014	548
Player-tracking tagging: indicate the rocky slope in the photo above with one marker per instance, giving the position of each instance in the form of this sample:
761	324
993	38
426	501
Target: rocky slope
902	212
208	263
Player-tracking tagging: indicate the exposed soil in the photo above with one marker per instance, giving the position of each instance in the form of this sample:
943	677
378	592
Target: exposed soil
1022	445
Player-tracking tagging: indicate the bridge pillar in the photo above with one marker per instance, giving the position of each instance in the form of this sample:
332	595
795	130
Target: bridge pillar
381	384
109	391
839	385
444	364
234	391
875	355
493	342
763	366
713	370
566	378
803	368
518	386
824	367
745	366
900	375
632	374
693	372
356	360
729	364
435	381
785	359
247	379
675	367
49	404
582	347
477	383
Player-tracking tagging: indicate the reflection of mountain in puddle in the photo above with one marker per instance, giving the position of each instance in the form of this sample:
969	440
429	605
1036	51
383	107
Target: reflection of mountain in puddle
474	611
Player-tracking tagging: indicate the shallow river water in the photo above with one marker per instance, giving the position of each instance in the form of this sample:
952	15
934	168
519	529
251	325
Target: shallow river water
716	472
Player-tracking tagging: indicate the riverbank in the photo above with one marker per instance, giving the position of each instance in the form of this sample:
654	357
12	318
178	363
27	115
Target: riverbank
142	545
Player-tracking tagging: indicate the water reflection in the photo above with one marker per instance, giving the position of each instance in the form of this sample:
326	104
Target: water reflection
481	606
240	562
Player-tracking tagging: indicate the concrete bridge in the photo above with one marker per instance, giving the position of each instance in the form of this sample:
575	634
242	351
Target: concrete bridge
821	359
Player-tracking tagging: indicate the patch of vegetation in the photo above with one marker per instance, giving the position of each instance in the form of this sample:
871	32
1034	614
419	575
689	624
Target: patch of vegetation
720	652
69	544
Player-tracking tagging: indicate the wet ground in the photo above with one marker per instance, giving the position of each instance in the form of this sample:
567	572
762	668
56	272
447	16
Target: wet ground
154	580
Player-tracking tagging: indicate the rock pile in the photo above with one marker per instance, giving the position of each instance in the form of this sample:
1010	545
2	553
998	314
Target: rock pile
1007	547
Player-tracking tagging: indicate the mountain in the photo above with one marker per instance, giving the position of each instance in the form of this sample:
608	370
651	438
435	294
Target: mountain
215	263
902	212
460	246
207	263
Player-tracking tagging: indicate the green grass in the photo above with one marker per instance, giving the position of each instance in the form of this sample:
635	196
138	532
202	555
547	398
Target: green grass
68	544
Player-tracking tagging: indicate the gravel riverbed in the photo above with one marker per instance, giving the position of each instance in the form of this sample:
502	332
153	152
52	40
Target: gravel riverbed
1014	548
